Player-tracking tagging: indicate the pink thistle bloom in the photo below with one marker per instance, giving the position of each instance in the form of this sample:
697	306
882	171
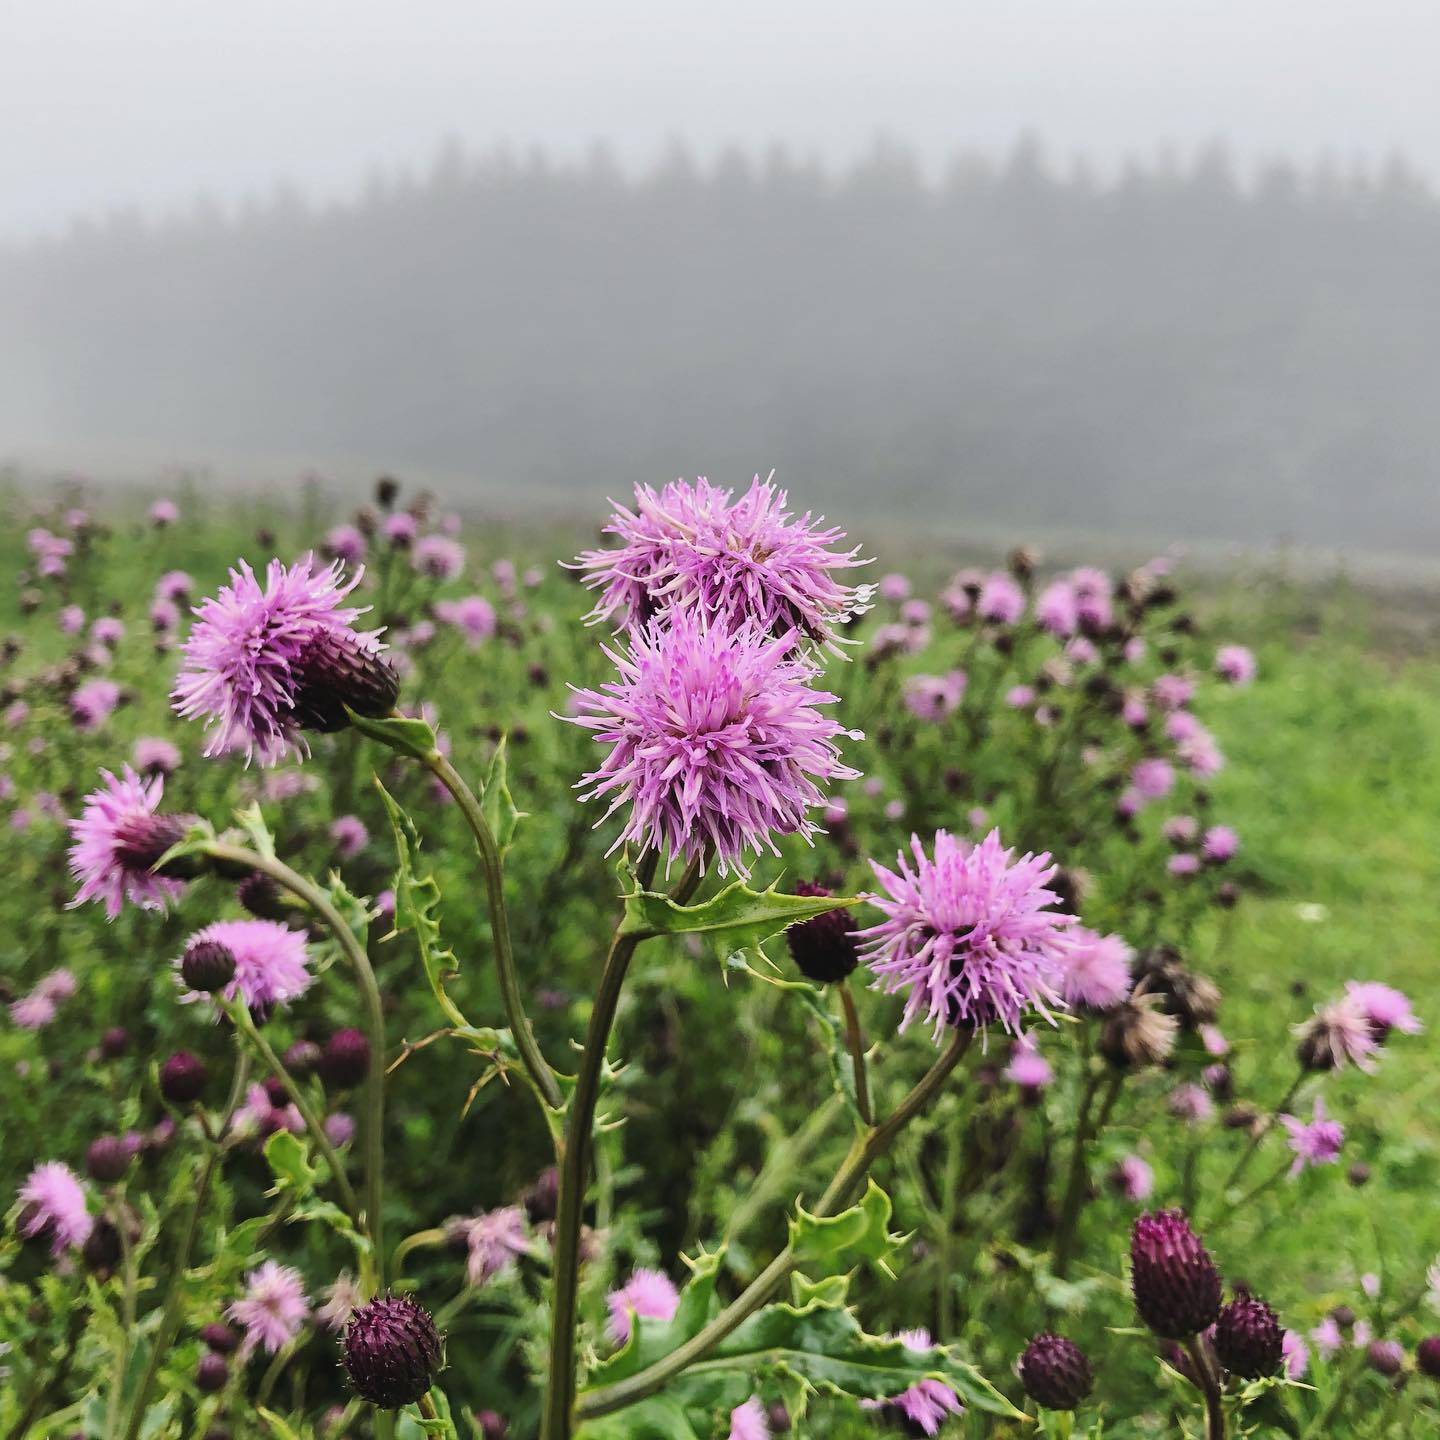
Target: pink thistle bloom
716	740
271	961
748	1422
1095	970
272	1309
1317	1143
164	616
693	547
174	585
107	630
1341	1034
1056	610
56	1206
1135	650
164	513
503	573
934	697
1001	600
1328	1337
1181	725
1296	1355
439	557
400	529
1134	712
1384	1007
155	756
346	543
58	985
33	1011
350	835
50	567
473	616
1028	1068
533	578
16	714
93	703
1091	583
927	1404
1135	1179
118	838
1081	651
1020	697
648	1294
895	809
494	1240
248	654
1220	844
1213	1040
968	936
1201	756
978	818
1172	692
339	1129
915	612
894	588
1235	664
1096	611
385	904
1180	829
1183	866
1370	1284
1191	1103
1153	779
957	603
342	1299
836	812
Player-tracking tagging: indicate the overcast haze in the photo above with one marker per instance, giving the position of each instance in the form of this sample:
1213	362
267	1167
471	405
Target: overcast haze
109	102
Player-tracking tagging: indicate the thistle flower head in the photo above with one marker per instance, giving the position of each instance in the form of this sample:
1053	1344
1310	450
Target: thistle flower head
272	1309
968	936
1384	1007
271	962
391	1351
493	1241
1055	1372
93	703
717	742
748	1422
117	839
264	663
1317	1143
694	547
1235	664
926	1405
1174	1280
55	1206
823	947
646	1293
1340	1034
1249	1339
1095	970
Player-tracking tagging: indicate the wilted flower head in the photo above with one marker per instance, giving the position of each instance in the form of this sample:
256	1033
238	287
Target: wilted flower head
927	1404
646	1293
716	740
93	703
1316	1143
1384	1007
341	1301
272	1309
263	664
118	838
55	1206
968	936
1095	970
271	962
692	547
1235	663
1338	1035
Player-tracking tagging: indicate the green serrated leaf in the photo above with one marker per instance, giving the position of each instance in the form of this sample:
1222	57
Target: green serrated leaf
496	803
738	917
289	1164
252	822
835	1244
831	1290
400	733
657	1418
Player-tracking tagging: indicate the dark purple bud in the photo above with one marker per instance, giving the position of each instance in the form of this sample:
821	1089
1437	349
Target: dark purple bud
1427	1356
143	839
391	1351
387	491
102	1250
334	672
492	1425
1249	1338
108	1158
207	966
543	1197
302	1058
182	1078
219	1338
1174	1280
211	1373
275	1089
114	1042
261	896
1055	1372
1386	1357
1358	1174
346	1059
1343	1316
823	948
778	1418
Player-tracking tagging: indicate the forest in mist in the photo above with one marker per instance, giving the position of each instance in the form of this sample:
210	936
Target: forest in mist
1173	350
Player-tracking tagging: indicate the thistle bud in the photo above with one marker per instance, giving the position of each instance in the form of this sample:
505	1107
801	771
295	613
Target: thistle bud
182	1078
1174	1280
345	1060
114	1042
142	839
1055	1372
219	1338
823	947
261	896
107	1159
391	1351
1249	1339
211	1373
492	1425
1386	1357
335	672
542	1199
102	1250
207	966
1427	1356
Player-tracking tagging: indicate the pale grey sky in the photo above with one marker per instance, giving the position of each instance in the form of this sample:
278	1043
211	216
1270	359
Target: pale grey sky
104	102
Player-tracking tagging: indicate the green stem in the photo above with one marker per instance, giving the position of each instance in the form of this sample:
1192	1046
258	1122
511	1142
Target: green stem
1210	1388
863	1153
557	1420
1075	1183
1242	1164
855	1039
519	1022
949	1206
354	952
170	1310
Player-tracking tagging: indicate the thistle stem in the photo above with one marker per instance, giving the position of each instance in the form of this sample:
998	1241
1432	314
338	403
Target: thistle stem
1075	1183
863	1153
519	1022
1243	1163
855	1039
1209	1386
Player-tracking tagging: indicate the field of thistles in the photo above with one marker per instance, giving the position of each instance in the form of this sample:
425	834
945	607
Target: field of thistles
698	976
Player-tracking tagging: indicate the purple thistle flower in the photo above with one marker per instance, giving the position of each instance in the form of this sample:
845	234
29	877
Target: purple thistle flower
1191	1103
271	962
1134	1179
262	664
1001	601
55	1206
474	617
346	543
400	529
927	1404
1028	1068
155	756
33	1011
1172	692
350	835
1095	970
1384	1007
1183	866
1328	1337
93	703
968	935
934	697
439	557
1172	1277
1316	1143
272	1309
1057	609
493	1241
894	588
647	1293
1337	1035
1235	664
174	585
1219	844
692	547
747	1421
1296	1355
118	838
342	1300
164	513
1152	779
71	618
716	741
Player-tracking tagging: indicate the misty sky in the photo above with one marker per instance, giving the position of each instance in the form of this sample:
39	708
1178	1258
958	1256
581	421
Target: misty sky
103	102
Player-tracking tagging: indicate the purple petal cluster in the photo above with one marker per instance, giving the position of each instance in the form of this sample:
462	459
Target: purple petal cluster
272	966
272	1309
717	742
55	1206
969	936
117	838
694	547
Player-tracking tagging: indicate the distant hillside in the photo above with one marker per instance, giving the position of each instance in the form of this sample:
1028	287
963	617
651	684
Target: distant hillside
1172	353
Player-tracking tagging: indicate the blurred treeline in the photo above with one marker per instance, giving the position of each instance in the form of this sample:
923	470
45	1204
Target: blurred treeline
1178	349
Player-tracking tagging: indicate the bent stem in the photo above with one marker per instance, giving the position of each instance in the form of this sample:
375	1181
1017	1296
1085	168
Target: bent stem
557	1420
1210	1387
867	1148
354	951
534	1061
